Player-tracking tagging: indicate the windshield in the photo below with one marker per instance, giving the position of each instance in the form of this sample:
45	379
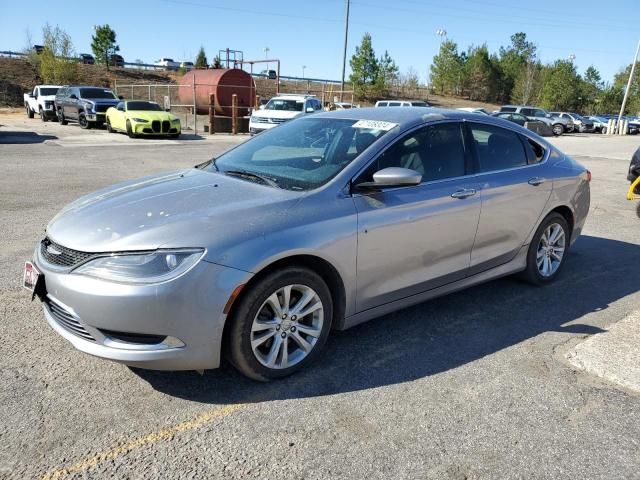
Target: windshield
152	106
48	91
578	117
287	105
97	93
302	154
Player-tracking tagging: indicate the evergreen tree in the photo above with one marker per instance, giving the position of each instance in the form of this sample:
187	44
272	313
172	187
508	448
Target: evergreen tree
364	67
201	58
447	68
104	44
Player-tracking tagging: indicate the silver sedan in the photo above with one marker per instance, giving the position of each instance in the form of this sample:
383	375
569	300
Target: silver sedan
322	223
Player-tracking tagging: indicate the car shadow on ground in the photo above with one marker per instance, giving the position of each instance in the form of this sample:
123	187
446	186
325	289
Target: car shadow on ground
12	137
438	335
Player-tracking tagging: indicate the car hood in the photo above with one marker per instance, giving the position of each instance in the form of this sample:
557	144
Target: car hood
150	115
275	114
189	208
47	97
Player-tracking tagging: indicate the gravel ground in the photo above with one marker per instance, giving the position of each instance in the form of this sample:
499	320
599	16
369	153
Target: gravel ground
474	385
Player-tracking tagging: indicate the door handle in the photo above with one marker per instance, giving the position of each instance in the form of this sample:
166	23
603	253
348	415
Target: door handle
464	193
535	181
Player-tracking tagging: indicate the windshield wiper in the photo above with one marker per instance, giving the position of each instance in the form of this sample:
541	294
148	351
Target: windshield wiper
243	173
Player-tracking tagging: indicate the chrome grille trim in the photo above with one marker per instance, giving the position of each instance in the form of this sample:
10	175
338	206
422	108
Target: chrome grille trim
66	258
66	319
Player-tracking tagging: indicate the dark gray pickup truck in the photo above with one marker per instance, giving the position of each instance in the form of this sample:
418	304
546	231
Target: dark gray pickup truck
85	105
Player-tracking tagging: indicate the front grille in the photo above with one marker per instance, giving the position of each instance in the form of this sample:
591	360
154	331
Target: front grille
278	120
67	319
66	258
48	103
260	119
155	125
102	108
166	125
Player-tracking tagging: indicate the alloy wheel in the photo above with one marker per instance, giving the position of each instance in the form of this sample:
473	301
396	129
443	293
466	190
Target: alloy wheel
551	250
287	326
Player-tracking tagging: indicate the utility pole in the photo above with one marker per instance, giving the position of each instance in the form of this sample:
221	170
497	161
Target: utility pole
626	92
344	55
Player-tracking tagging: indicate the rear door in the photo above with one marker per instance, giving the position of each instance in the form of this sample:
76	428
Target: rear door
413	239
514	192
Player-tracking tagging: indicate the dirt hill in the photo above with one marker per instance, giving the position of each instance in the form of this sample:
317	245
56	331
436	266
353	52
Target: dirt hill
19	75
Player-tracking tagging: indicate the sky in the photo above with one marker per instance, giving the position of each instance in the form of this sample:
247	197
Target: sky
308	36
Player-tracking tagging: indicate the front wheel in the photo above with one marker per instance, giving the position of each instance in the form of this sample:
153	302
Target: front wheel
82	120
280	324
109	129
557	129
43	115
129	130
547	250
61	119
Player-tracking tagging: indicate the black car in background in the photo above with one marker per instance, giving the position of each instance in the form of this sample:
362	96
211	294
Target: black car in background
530	123
84	104
86	58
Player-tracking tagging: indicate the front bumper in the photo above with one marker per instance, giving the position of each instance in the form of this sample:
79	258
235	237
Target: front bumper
95	117
156	128
183	317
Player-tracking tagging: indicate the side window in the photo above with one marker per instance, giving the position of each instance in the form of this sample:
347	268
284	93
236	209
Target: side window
394	104
508	109
435	151
317	105
497	148
527	111
535	151
540	113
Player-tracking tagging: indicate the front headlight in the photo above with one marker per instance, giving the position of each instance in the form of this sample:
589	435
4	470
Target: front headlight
145	267
140	120
87	105
175	120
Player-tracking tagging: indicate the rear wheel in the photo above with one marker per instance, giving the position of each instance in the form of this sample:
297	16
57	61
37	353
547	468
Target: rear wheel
281	324
30	112
547	250
557	129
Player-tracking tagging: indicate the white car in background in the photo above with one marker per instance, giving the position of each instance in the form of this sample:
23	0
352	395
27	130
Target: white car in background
168	64
281	109
401	103
481	111
40	101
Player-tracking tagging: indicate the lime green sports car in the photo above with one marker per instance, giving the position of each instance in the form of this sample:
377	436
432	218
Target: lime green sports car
138	118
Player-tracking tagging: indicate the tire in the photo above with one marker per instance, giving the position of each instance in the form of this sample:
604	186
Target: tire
603	130
557	129
82	120
174	135
255	314
109	129
30	112
129	131
43	115
61	119
538	256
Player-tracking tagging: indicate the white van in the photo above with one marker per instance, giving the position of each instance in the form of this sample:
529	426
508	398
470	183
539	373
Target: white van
401	103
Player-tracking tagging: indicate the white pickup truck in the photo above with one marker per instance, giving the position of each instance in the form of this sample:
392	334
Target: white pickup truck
41	101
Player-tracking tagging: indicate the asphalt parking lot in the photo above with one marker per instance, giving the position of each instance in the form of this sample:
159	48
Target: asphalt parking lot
475	385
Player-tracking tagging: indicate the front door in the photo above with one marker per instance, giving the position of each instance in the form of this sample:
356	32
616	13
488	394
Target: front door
413	239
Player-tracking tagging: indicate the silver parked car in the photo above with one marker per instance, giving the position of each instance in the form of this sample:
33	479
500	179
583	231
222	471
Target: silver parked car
558	125
322	223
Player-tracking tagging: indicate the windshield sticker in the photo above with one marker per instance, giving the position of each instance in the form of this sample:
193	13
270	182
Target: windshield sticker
374	125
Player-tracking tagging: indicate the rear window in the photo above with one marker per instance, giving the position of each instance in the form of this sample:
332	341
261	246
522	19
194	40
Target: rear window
497	148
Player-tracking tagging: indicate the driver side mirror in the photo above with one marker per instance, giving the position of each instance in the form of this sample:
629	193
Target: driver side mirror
310	110
392	177
261	107
120	97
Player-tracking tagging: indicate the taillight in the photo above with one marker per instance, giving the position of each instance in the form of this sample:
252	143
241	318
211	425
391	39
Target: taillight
588	175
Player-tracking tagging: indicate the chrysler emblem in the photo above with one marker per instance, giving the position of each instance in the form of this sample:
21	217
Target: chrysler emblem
53	250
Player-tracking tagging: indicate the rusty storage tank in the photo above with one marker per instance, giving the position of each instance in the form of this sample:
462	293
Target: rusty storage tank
223	82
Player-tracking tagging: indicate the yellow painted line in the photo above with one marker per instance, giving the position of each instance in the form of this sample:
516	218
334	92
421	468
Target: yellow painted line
164	434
